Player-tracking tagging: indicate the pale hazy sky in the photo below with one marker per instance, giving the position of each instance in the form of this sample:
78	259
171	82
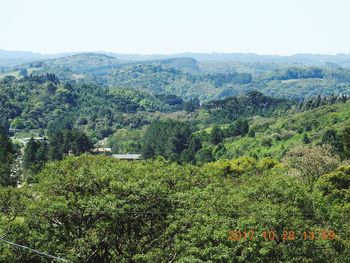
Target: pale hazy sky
172	26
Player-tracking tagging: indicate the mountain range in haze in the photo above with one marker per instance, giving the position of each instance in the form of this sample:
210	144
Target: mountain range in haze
13	58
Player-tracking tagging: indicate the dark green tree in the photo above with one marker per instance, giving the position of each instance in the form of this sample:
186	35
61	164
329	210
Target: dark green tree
195	144
60	124
7	159
42	152
346	141
306	139
34	157
191	105
55	151
156	138
66	142
188	155
80	143
30	151
179	140
332	138
166	138
216	135
204	156
238	128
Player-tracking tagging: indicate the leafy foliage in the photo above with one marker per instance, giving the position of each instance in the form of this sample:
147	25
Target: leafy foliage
35	156
166	138
66	142
7	159
98	209
253	103
311	163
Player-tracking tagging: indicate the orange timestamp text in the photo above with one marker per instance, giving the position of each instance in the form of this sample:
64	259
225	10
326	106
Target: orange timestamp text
286	235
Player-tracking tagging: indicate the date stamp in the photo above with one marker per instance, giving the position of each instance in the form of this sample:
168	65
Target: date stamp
286	235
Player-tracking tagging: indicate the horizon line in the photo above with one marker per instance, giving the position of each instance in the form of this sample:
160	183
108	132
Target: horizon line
178	53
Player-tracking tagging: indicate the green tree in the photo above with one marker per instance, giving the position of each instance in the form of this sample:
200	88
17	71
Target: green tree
216	135
238	128
179	140
309	163
332	138
191	105
188	155
80	143
204	156
346	141
126	141
55	151
155	139
30	152
336	185
42	152
64	142
7	160
306	139
34	157
166	138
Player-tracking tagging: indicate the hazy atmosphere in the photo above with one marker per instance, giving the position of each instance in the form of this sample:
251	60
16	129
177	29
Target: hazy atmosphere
164	26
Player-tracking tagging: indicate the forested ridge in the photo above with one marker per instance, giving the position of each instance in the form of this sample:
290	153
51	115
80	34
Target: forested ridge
189	78
241	162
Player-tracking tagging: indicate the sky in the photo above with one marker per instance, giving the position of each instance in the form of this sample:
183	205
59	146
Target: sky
281	27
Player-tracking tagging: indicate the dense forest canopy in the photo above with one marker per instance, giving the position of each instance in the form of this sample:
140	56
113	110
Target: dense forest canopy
157	212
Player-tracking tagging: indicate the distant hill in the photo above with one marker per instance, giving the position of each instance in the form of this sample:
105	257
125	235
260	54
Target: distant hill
12	58
15	58
180	76
304	59
4	54
90	62
79	63
189	78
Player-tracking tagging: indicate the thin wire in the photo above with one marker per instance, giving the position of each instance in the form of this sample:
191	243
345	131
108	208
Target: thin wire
34	250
